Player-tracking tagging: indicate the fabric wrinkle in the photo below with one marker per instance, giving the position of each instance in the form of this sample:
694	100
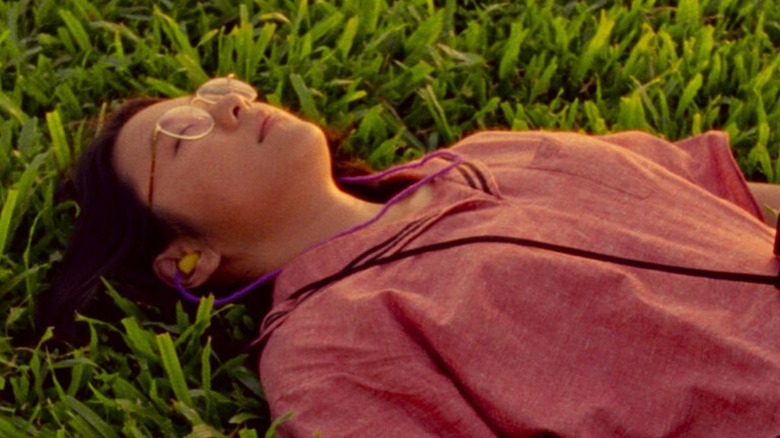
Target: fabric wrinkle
428	328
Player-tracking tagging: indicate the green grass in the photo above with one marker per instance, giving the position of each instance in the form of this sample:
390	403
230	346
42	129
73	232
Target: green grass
398	78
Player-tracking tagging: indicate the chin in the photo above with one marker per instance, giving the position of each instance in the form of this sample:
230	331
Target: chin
317	134
306	153
314	141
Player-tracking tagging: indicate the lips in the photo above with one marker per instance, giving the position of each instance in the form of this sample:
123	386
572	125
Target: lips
264	125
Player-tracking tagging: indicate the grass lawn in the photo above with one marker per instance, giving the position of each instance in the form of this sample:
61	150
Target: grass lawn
398	78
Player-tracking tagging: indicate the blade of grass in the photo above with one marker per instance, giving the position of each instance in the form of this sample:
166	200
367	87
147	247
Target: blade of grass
5	217
176	35
59	142
368	11
326	26
76	30
512	51
631	113
689	94
437	112
10	430
595	46
173	370
79	367
139	340
193	68
247	433
90	416
305	98
426	33
206	377
10	107
246	54
271	433
688	12
344	44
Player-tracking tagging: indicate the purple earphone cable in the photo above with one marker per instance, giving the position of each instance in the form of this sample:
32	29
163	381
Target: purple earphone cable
455	161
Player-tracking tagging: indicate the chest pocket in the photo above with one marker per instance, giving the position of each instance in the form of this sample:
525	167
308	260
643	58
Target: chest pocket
603	164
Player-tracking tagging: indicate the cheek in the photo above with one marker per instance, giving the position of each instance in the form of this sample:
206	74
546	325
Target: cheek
199	187
236	181
224	180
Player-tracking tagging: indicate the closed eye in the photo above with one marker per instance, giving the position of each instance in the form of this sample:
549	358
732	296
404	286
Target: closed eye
173	143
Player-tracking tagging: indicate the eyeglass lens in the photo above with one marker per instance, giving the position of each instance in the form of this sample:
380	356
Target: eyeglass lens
186	122
215	89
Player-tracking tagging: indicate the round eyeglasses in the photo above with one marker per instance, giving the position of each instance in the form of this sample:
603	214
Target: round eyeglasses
189	122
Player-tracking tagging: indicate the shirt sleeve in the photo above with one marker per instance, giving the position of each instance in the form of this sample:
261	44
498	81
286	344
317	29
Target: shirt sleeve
706	160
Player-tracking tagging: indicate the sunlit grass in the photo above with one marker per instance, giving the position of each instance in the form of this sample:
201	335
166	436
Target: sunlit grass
398	78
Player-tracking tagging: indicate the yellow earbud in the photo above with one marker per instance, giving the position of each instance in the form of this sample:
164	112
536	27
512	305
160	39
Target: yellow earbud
187	263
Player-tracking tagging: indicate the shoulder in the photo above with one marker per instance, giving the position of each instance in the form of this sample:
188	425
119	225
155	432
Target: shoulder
502	148
704	160
710	144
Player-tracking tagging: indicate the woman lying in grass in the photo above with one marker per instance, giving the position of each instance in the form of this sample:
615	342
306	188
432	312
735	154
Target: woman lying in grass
515	284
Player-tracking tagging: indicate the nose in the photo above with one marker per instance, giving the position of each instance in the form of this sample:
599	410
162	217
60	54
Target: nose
227	110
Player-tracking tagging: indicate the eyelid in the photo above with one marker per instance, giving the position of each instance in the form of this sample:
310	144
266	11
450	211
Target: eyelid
168	139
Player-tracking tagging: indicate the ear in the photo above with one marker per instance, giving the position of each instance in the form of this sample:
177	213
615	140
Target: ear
166	264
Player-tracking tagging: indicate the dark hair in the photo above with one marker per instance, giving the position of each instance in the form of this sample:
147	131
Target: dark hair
114	234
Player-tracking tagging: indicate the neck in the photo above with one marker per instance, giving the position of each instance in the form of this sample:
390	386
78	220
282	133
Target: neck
328	216
340	213
294	231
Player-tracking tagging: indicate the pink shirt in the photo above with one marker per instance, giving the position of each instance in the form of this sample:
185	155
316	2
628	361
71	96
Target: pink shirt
391	332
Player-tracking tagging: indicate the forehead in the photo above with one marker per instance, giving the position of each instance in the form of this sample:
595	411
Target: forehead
133	148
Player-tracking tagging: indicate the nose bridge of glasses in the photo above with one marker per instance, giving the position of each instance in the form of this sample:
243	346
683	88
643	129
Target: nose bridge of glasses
216	89
218	98
223	112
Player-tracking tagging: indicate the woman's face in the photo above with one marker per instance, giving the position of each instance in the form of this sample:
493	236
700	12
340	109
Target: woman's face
256	167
